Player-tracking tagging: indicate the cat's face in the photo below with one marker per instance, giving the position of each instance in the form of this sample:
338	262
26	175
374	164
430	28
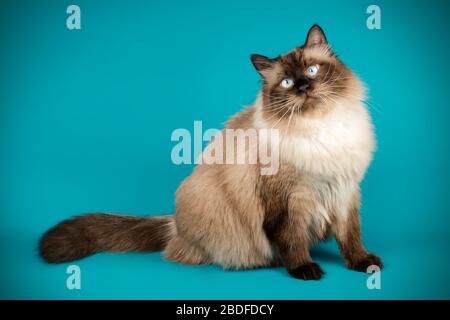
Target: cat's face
308	79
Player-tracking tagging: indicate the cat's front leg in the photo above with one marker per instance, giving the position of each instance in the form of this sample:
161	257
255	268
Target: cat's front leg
348	236
293	243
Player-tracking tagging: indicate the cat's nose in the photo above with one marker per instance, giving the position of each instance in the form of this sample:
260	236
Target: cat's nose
303	87
302	84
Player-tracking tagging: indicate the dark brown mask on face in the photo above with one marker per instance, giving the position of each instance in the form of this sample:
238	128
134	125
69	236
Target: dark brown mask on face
309	78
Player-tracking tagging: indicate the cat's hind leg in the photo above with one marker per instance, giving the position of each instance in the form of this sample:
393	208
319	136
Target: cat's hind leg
182	251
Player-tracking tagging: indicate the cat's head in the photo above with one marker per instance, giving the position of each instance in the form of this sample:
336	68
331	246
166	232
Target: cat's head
310	79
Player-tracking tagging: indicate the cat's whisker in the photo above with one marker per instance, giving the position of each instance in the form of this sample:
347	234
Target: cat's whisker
278	106
332	74
335	80
285	105
290	118
328	70
274	115
278	121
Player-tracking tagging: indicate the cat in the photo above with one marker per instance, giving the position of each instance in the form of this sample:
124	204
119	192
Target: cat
232	215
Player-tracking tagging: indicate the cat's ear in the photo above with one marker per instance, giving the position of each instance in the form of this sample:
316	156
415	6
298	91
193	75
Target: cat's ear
315	37
262	63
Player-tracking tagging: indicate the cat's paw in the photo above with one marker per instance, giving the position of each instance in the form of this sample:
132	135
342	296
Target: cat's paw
367	261
308	271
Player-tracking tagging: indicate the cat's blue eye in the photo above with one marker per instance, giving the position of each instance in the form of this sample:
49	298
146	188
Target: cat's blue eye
287	83
312	70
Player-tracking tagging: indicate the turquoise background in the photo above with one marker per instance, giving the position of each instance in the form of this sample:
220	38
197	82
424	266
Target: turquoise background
86	118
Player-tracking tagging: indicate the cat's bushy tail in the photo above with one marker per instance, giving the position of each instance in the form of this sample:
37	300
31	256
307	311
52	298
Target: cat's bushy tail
91	233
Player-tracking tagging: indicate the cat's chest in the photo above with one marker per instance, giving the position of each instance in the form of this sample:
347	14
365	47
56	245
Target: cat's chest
338	145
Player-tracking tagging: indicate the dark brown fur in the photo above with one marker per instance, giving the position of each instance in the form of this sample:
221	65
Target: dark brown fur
91	233
286	225
333	77
350	243
331	71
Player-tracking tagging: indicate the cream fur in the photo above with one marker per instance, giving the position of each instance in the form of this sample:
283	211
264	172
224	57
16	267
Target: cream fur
332	151
218	215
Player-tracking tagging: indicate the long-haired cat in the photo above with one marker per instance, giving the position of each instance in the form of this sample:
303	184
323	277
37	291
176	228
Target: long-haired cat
231	214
